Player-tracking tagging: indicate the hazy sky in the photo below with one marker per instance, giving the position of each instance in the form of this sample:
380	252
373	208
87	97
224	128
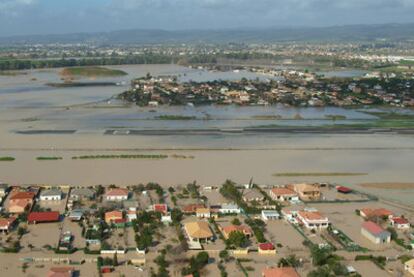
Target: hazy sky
63	16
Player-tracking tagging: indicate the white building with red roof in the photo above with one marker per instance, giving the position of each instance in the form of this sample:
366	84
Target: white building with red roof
283	194
375	233
312	219
400	223
117	194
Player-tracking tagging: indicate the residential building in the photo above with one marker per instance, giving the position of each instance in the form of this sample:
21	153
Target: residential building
375	233
203	213
307	192
246	230
312	219
82	194
43	217
409	266
3	190
113	216
117	194
400	223
380	213
250	195
267	248
20	202
51	195
161	208
229	209
131	214
279	272
75	215
61	272
344	190
198	231
7	224
270	215
191	208
283	194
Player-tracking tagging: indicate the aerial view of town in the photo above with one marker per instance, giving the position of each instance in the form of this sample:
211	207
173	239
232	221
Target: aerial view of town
161	138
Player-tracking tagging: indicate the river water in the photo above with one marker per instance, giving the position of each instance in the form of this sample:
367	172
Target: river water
26	103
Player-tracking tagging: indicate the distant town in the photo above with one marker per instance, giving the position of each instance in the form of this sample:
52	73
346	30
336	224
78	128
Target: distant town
295	88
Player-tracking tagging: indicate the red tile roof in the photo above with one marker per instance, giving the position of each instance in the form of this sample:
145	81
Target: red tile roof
160	208
266	246
381	212
400	220
43	217
372	227
343	189
280	272
22	195
117	192
283	191
234	228
192	208
6	222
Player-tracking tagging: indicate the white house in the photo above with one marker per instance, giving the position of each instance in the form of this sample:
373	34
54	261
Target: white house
117	194
229	209
270	215
313	219
51	195
400	223
203	213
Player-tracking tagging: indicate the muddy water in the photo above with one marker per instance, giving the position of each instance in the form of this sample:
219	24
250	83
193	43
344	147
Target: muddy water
27	104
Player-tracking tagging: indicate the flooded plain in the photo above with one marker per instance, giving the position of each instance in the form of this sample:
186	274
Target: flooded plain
27	104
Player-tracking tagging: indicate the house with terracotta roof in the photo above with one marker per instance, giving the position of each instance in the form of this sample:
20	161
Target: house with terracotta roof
280	272
380	213
113	216
43	217
307	192
20	202
117	194
312	219
375	233
400	223
409	266
198	231
161	208
7	224
267	248
203	213
227	230
64	271
283	194
191	208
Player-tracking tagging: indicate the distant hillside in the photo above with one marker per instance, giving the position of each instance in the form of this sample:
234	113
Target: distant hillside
390	32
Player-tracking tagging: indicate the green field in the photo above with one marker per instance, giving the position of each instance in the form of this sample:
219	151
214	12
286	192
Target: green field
48	158
93	157
92	71
7	159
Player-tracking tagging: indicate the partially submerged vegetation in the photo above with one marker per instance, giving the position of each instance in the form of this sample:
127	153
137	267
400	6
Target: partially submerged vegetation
92	71
124	156
7	159
175	117
48	158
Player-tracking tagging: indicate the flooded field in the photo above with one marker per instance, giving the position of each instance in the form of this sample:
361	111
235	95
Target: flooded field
70	122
